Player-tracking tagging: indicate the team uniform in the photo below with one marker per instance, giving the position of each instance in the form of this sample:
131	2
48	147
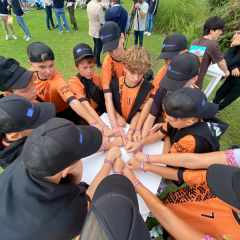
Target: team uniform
126	98
199	207
158	78
56	90
111	68
77	87
201	137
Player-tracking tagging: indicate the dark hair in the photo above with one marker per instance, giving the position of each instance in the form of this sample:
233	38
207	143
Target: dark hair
90	59
179	103
213	23
238	28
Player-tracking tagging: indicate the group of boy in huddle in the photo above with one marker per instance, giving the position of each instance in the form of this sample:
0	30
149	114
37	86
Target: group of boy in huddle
42	196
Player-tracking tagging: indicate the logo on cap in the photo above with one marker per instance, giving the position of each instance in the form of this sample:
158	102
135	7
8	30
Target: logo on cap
80	136
165	45
30	111
203	102
170	69
82	49
102	37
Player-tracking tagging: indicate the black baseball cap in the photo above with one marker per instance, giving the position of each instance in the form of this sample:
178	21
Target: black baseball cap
57	144
181	69
18	113
173	44
82	50
36	49
189	102
224	182
114	212
12	75
109	34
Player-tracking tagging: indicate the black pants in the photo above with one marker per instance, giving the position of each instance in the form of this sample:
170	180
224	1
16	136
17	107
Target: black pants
228	92
97	49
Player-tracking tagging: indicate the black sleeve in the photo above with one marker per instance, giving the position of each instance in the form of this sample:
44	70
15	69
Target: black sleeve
157	102
232	57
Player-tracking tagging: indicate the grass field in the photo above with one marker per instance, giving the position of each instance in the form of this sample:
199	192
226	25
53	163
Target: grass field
62	46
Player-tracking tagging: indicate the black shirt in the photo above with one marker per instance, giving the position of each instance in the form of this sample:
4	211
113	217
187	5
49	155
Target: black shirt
58	3
153	7
34	209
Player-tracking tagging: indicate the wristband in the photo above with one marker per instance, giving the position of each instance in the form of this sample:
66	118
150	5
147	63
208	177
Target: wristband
107	161
92	124
142	138
140	146
139	130
105	125
131	129
120	173
115	125
142	165
148	159
105	147
136	183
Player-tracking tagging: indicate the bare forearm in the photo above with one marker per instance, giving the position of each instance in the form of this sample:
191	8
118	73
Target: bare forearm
142	14
174	225
167	145
133	124
190	160
110	108
144	113
148	125
155	137
94	114
223	66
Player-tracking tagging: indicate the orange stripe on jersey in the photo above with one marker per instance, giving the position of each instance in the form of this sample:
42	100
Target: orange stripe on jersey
194	177
186	144
6	143
55	90
161	73
111	69
128	96
77	88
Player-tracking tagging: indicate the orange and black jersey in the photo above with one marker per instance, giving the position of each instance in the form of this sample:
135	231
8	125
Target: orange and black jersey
161	73
55	90
128	95
199	207
111	68
78	89
201	137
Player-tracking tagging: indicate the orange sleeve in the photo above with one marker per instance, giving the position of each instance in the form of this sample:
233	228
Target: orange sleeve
192	177
106	74
77	88
158	78
63	90
184	145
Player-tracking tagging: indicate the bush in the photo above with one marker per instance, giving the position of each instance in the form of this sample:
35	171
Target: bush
177	15
216	3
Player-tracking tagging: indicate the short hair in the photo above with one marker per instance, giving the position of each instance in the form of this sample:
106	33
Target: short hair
238	28
137	59
176	103
90	59
213	23
45	56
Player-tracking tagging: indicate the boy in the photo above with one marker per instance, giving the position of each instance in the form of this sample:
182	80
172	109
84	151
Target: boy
15	79
52	87
87	86
186	63
50	198
190	124
207	48
173	45
112	41
18	117
130	93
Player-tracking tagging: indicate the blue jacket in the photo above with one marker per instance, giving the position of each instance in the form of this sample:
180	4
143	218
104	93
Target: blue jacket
119	15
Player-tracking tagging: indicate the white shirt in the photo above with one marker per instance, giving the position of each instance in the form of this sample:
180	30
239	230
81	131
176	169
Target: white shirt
142	21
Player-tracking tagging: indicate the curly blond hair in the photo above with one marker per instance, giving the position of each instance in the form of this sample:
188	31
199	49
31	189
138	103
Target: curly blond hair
137	59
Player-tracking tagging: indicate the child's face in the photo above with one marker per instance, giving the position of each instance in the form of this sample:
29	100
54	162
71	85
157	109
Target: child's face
133	78
179	122
118	52
28	92
86	69
45	69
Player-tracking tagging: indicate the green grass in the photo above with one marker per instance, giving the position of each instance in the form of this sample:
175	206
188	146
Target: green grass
62	46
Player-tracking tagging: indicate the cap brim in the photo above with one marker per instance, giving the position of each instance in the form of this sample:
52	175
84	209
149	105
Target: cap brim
92	140
209	110
83	56
46	112
220	182
172	84
168	55
109	46
23	80
116	184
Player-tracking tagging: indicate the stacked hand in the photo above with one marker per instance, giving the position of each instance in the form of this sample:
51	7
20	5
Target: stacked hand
132	147
118	165
106	131
133	164
118	141
137	136
113	154
155	128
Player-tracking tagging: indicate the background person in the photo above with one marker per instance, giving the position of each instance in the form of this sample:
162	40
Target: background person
48	10
96	19
25	5
141	9
70	6
5	12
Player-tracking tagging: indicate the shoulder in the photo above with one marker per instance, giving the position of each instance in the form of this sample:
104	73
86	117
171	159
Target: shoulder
74	80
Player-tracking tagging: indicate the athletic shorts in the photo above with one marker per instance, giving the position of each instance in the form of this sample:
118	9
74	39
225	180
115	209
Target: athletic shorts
24	1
